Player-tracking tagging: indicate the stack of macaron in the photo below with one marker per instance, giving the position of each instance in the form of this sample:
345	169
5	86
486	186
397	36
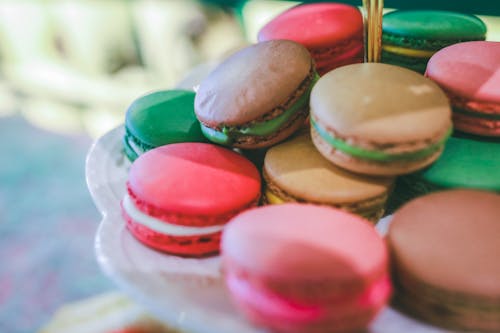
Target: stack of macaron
329	149
469	75
181	193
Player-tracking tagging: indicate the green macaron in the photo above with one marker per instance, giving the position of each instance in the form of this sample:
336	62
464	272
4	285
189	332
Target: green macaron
411	37
467	162
160	118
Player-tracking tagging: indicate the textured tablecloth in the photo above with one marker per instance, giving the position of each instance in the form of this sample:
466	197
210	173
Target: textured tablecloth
47	225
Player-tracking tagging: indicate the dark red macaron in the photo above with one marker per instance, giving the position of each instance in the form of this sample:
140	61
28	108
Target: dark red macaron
332	32
180	196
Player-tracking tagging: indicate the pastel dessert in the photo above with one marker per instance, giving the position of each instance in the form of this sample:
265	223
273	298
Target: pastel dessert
331	276
180	196
294	171
467	162
258	96
444	249
332	32
379	119
469	74
411	37
160	118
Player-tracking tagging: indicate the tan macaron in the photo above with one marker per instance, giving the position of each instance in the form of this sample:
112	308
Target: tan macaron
379	119
294	171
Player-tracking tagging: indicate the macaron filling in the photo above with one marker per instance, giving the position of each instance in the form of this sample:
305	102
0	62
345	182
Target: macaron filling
162	226
408	51
227	134
377	155
372	208
418	43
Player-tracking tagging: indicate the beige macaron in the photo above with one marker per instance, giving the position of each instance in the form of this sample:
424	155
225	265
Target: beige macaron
379	119
294	171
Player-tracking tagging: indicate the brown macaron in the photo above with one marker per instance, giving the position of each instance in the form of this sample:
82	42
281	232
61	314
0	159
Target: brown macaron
294	171
258	96
445	251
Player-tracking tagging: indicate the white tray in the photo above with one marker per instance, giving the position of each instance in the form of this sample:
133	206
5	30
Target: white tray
166	285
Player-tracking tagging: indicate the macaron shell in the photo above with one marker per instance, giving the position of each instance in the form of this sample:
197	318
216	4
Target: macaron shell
469	70
300	170
463	228
164	117
421	110
288	250
415	64
476	125
458	167
265	309
316	25
252	82
206	179
433	25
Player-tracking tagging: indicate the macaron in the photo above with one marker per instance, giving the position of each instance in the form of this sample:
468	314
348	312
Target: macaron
258	96
467	162
444	249
469	74
411	37
294	171
332	32
379	119
180	196
160	118
305	268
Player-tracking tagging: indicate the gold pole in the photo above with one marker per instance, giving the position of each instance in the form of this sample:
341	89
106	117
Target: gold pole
372	17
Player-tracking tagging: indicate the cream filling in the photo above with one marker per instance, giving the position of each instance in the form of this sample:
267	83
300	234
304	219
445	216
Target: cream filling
164	227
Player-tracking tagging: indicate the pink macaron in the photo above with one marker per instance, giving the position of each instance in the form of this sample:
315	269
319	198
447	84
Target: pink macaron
305	268
180	196
469	73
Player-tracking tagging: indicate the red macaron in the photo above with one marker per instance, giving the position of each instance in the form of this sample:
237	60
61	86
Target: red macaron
179	196
332	32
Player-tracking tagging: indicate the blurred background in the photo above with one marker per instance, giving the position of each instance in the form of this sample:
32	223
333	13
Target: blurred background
68	71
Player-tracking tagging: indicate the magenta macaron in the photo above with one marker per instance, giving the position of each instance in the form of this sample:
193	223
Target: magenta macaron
180	196
305	268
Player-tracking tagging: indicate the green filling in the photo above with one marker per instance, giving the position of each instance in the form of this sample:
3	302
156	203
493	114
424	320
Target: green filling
477	114
227	134
377	155
215	136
